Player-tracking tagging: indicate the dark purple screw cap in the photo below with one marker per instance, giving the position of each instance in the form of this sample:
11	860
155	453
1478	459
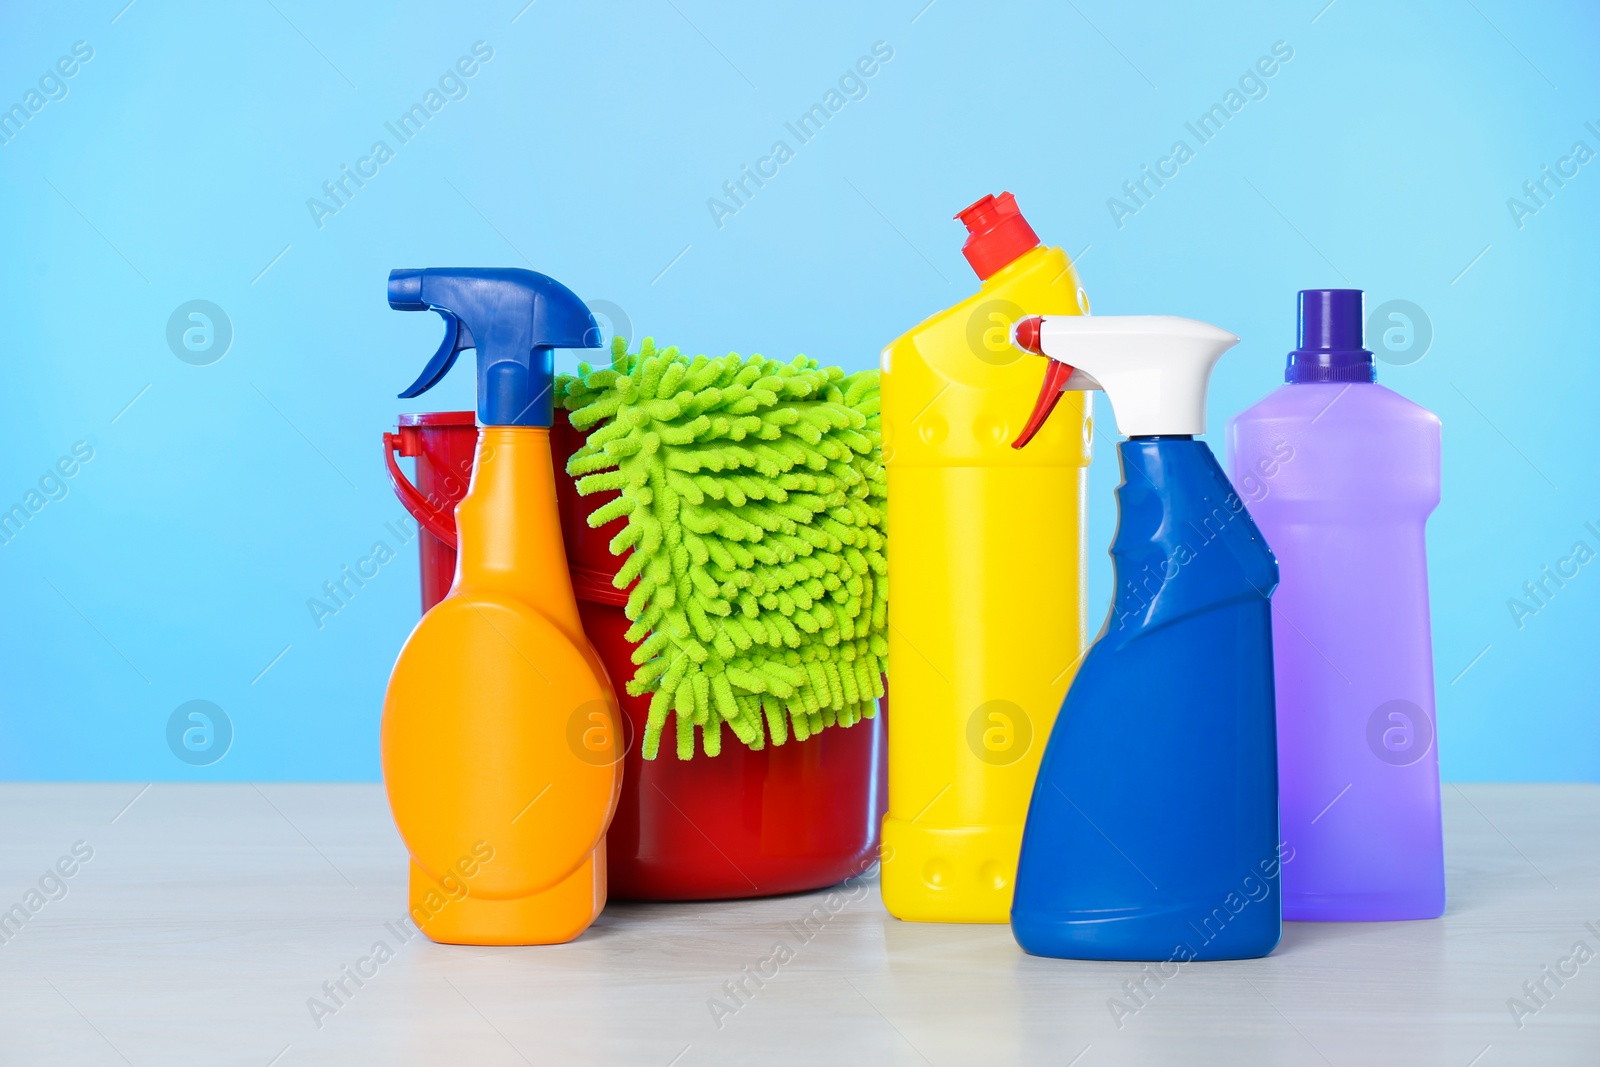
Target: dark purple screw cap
1330	339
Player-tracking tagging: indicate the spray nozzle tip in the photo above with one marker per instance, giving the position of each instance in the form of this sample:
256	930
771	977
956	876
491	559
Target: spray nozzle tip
1025	335
405	290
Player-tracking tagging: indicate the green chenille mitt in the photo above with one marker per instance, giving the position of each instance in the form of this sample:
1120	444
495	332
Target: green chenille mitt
754	493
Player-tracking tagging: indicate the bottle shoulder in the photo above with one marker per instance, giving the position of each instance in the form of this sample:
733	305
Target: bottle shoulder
1040	282
1350	423
956	392
1340	402
1338	446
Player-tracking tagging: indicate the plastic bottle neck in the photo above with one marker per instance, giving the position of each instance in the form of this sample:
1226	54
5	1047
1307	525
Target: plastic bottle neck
509	526
1330	348
997	234
1010	270
1320	368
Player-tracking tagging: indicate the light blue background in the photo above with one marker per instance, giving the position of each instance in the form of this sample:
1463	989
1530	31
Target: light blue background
178	167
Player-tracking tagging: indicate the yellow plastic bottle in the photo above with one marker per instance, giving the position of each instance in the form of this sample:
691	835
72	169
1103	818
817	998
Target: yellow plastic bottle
499	736
986	575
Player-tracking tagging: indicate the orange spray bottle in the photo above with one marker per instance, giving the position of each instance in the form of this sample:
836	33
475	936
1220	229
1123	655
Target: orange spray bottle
500	744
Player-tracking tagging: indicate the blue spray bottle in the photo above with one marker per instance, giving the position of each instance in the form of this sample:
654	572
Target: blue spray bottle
1153	830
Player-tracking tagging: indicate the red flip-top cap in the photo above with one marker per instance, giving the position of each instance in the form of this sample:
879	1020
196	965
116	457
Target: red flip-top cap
996	234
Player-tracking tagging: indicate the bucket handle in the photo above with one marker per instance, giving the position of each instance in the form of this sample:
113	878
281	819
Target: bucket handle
433	519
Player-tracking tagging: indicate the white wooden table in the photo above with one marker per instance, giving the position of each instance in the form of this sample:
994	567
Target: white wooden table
209	915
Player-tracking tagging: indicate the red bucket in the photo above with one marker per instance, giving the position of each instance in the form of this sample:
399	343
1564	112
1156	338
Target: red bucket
787	819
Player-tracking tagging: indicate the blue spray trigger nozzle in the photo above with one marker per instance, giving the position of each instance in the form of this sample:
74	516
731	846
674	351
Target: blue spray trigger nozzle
513	318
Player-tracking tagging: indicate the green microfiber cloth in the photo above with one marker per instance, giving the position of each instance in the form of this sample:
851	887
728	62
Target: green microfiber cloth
755	497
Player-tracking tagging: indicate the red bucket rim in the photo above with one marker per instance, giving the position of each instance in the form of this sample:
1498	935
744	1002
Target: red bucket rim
439	418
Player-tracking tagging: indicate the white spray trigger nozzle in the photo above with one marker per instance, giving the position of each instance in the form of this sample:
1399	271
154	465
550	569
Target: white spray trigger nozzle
1154	369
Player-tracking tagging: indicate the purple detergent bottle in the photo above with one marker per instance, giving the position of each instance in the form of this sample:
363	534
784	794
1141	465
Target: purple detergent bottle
1340	475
